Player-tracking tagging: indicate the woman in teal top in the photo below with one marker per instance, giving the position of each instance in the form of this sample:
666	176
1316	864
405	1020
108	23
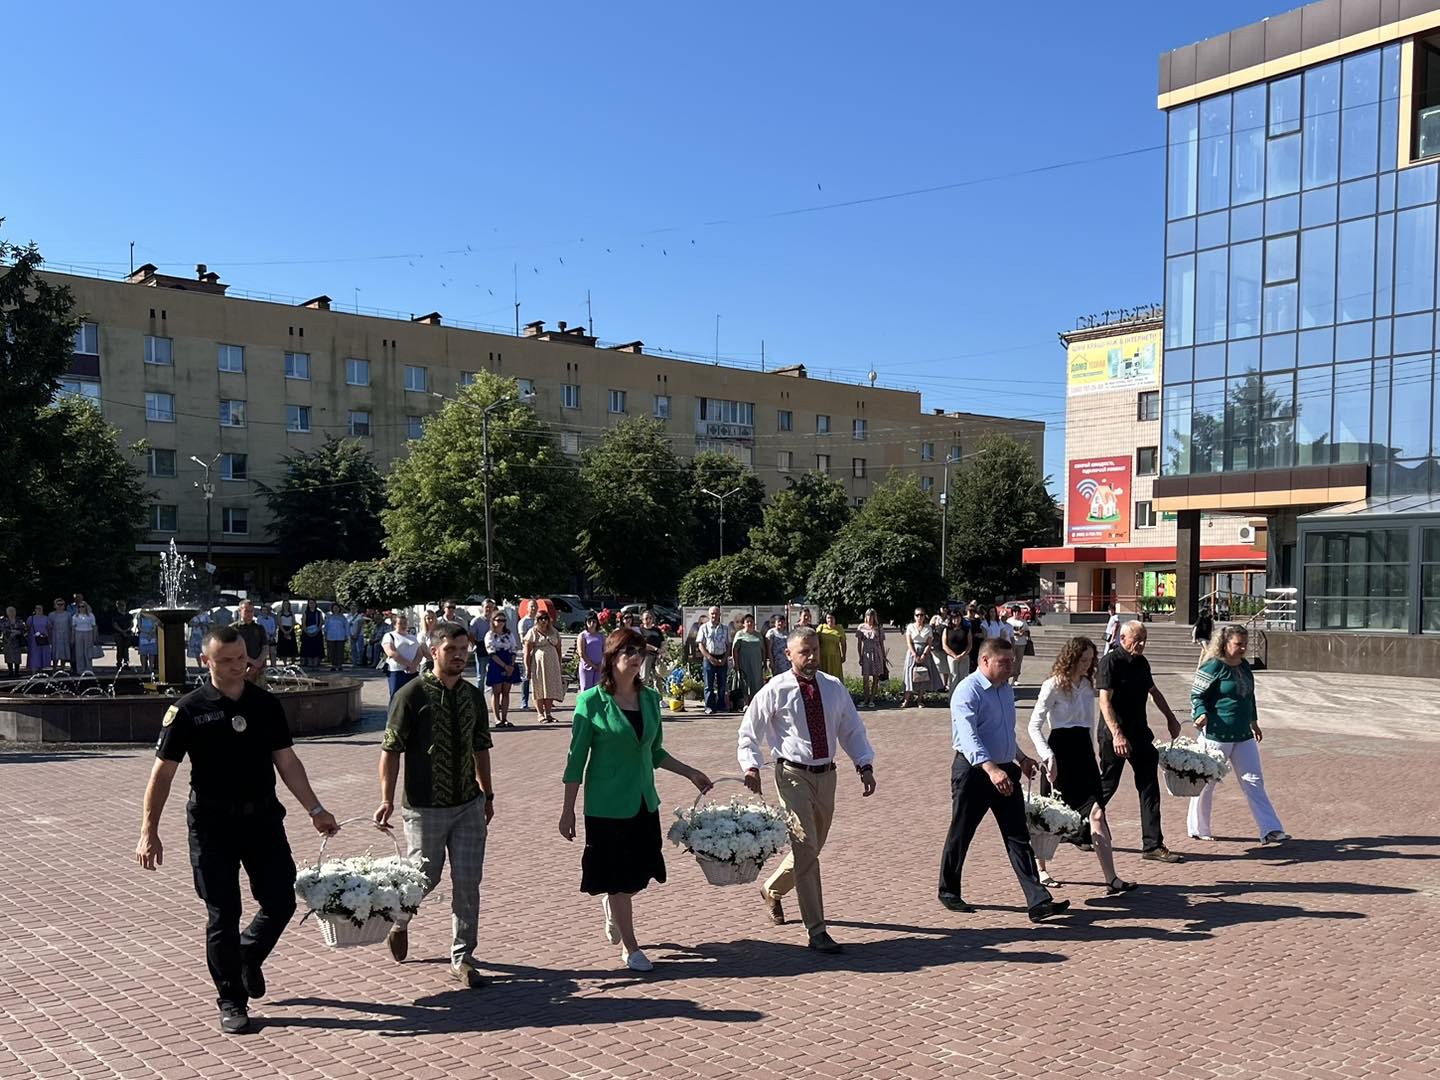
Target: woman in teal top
748	655
616	745
1222	702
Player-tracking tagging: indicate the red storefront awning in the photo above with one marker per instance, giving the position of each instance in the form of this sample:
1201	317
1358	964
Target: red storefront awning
1242	553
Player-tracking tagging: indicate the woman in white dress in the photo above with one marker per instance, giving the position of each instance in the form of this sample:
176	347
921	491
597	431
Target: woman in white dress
920	639
83	625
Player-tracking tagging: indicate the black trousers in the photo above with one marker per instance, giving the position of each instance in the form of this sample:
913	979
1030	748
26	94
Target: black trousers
1144	767
223	838
973	794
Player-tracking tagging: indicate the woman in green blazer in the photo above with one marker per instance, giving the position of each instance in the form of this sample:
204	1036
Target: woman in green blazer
616	745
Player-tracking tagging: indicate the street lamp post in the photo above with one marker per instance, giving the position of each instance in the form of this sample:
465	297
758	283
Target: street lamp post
721	498
207	488
485	479
950	459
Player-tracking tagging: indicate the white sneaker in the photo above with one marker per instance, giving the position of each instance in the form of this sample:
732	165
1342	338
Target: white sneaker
636	961
612	931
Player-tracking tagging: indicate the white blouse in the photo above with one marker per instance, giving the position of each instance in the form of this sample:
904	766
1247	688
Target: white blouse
405	646
919	636
1061	708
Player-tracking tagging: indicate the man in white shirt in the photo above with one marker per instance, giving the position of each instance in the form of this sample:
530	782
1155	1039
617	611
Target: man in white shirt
1112	629
713	641
801	716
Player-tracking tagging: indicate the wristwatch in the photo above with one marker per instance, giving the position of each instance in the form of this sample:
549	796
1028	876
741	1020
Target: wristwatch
864	768
317	810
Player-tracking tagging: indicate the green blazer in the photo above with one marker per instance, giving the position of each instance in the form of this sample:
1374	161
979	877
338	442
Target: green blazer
621	768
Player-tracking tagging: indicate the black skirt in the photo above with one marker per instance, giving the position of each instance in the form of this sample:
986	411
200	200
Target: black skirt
1076	773
622	855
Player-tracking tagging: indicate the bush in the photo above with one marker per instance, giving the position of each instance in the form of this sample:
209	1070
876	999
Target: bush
746	577
877	568
890	692
317	579
395	579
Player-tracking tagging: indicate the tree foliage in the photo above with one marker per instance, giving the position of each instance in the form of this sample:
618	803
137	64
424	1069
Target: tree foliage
876	567
999	505
639	525
328	505
437	504
747	577
316	580
722	473
900	505
396	579
799	523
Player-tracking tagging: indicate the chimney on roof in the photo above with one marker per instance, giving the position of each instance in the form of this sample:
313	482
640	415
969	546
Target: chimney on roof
319	303
142	274
433	319
938	412
629	346
795	371
533	329
200	269
562	324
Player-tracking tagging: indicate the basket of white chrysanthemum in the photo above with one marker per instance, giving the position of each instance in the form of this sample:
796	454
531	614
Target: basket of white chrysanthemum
1050	821
1190	766
357	900
731	841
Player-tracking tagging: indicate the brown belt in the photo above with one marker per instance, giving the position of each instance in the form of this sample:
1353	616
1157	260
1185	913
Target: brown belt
829	766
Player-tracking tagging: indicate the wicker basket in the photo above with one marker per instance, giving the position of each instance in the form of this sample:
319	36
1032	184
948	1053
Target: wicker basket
1045	844
340	932
1183	786
724	873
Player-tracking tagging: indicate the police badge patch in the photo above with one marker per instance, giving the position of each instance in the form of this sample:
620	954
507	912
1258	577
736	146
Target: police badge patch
170	715
238	723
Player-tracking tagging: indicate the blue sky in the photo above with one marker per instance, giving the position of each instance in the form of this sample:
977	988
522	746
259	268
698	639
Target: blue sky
648	153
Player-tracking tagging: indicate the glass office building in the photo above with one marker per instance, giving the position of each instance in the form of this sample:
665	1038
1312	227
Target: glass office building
1300	364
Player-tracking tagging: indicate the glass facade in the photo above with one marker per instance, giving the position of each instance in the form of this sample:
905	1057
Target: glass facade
1300	283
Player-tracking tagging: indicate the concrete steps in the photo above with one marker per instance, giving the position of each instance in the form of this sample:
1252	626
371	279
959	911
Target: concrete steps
1168	647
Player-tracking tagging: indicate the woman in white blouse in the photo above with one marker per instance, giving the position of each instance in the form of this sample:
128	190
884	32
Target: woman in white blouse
1067	704
920	639
403	654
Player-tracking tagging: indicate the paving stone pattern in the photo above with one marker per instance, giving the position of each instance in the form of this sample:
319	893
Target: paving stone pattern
1317	959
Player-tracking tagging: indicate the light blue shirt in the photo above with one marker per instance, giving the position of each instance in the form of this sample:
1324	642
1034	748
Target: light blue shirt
982	720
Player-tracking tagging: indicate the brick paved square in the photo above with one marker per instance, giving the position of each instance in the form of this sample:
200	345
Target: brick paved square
1316	959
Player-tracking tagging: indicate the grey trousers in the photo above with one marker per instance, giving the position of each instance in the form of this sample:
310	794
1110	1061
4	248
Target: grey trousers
459	832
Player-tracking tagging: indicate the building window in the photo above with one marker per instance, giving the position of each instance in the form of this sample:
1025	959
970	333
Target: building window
232	412
82	388
235	520
417	379
526	387
785	420
857	468
414	427
359	426
1146	460
662	406
570	395
232	358
1144	514
160	408
159	350
1358	580
617	401
725	411
1430	581
467	378
927	484
783	460
857	430
162	462
234	467
822	463
297	417
741	451
822	424
1148	405
163	517
570	442
1426	123
357	372
927	451
297	365
87	339
859	501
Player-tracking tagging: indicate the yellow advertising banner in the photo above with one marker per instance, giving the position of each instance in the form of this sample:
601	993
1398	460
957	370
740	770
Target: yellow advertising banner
1120	362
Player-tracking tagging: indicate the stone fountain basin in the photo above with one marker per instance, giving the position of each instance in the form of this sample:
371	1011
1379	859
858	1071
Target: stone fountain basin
322	705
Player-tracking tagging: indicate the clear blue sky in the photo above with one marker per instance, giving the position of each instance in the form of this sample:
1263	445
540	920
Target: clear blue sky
287	146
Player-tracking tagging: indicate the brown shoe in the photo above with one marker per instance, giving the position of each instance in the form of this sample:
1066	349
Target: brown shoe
467	974
1163	854
772	906
399	942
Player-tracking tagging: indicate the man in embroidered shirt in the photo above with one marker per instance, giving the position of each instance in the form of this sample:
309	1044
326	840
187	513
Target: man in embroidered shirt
985	776
801	716
713	641
439	725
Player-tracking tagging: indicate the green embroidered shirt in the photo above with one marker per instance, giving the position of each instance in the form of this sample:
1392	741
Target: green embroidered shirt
1225	696
439	731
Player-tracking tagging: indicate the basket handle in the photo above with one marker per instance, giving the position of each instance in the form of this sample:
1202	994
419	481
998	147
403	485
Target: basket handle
721	780
388	832
1041	766
1191	722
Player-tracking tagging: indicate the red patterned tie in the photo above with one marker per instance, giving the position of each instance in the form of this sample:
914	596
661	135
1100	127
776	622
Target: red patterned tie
815	719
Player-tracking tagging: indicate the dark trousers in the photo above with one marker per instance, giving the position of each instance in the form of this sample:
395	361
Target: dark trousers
1144	766
714	685
972	795
222	840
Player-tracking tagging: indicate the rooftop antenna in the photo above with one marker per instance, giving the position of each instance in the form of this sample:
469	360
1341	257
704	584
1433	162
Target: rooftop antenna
873	376
717	340
589	313
132	258
515	279
762	354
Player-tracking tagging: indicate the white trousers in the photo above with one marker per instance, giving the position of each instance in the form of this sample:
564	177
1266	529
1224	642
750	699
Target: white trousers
1244	758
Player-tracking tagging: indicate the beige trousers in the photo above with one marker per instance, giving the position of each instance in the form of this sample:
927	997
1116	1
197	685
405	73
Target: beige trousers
811	798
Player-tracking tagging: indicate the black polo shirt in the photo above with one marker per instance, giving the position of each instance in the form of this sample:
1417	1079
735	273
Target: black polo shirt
1128	679
229	742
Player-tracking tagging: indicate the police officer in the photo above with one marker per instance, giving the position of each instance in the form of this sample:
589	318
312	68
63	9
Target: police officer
237	739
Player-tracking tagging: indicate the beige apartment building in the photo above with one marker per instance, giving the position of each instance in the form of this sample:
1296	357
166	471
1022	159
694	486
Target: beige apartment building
198	373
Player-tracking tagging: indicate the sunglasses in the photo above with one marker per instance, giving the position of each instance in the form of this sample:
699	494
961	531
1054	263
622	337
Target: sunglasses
630	650
542	618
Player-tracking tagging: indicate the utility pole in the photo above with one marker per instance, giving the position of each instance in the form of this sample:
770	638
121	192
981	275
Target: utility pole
721	498
207	488
951	458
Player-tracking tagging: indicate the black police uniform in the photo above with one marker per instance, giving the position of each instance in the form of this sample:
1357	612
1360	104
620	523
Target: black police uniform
234	820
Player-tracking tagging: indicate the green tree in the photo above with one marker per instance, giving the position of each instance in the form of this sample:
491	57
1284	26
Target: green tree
317	579
889	571
999	506
637	535
437	503
900	505
721	473
747	577
396	579
328	505
799	523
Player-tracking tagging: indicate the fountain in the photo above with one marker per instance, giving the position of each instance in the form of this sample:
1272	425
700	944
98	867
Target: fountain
177	577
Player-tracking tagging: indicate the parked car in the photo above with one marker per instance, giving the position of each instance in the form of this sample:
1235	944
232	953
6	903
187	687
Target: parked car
570	613
664	613
1026	612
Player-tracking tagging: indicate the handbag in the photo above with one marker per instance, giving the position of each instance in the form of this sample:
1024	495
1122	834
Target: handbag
42	640
1029	646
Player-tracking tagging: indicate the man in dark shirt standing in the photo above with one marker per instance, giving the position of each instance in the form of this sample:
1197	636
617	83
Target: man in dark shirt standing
1124	681
255	638
237	739
654	647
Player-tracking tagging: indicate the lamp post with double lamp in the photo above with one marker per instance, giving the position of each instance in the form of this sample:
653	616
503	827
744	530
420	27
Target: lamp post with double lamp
207	488
952	457
721	499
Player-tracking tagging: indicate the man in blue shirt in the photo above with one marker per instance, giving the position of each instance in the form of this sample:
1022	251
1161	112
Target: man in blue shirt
985	776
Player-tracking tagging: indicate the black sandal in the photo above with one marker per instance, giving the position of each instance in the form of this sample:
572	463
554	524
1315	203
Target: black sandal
1118	885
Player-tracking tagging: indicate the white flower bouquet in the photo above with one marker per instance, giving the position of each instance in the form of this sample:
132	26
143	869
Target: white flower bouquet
1189	766
732	841
1050	821
356	900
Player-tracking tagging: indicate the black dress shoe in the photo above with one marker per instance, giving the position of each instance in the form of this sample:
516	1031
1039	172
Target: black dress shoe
954	903
251	977
1043	910
824	943
234	1020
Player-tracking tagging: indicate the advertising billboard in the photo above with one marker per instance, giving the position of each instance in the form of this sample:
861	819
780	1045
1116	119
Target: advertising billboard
1097	503
1120	362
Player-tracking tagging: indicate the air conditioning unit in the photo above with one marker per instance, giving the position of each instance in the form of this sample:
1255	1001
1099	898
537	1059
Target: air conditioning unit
1247	534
